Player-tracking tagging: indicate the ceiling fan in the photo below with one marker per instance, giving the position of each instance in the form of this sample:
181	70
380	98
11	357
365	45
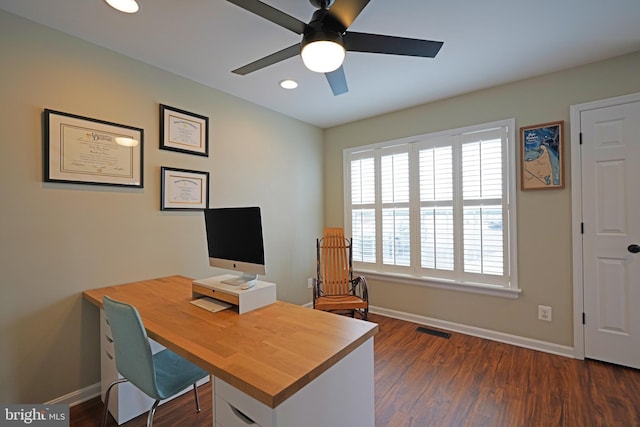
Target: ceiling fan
328	29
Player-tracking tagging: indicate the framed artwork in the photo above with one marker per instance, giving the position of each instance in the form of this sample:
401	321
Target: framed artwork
81	150
542	156
183	131
183	189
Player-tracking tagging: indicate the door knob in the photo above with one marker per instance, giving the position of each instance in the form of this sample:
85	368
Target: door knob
634	249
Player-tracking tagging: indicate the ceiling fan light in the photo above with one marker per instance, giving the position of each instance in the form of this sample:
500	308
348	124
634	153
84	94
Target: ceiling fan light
323	56
126	6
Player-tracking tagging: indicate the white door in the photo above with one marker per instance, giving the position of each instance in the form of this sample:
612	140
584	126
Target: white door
610	185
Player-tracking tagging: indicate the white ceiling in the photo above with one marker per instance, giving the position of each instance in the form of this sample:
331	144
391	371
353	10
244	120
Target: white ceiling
486	43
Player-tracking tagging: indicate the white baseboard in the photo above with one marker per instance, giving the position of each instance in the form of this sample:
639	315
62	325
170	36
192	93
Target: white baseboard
529	343
78	396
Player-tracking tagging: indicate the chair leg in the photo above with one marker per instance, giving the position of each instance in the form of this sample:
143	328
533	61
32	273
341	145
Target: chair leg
106	400
152	411
195	392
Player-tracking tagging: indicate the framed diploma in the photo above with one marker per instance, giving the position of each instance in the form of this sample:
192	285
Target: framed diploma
183	189
81	150
542	158
183	131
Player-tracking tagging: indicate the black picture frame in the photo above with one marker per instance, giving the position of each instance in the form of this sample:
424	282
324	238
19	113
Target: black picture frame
183	189
83	150
183	131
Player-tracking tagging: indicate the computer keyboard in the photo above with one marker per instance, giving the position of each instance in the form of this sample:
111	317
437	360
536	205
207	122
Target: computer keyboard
210	304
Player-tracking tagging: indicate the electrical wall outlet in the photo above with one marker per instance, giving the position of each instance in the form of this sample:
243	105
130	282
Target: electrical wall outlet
544	313
310	282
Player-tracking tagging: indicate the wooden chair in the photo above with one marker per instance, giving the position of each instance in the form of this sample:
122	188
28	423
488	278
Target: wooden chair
336	289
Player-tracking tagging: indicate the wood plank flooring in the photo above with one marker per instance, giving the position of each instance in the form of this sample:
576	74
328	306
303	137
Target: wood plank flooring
423	380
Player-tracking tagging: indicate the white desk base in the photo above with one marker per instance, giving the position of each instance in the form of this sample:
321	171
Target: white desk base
341	396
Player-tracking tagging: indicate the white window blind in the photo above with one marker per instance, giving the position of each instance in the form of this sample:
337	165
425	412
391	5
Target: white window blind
436	207
482	191
396	235
363	221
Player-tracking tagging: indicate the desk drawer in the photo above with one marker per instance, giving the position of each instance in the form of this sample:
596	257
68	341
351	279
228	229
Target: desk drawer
217	294
105	335
234	408
228	415
107	345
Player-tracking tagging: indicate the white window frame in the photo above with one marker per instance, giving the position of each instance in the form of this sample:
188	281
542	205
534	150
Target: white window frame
415	275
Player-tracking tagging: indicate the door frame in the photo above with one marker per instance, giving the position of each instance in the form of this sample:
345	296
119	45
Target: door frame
576	211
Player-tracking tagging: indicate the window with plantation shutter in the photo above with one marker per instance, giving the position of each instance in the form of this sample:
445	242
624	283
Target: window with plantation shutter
363	221
482	191
438	208
394	183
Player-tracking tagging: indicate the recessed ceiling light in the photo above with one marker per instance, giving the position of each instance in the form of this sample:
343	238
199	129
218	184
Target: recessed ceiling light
126	6
288	84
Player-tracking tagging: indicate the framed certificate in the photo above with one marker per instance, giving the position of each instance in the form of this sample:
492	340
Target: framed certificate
183	131
81	150
183	189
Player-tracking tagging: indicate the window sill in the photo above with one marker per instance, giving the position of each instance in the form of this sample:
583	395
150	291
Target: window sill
476	288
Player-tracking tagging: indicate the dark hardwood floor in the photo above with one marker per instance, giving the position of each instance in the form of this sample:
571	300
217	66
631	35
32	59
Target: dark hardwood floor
424	380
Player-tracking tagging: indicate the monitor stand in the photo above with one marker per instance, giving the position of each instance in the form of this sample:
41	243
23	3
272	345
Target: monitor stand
240	280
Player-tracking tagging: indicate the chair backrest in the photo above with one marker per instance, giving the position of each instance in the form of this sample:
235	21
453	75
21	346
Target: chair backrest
134	359
334	262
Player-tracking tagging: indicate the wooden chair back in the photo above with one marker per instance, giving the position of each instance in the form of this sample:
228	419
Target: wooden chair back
334	262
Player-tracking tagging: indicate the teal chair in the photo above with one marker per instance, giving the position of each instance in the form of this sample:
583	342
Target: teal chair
159	375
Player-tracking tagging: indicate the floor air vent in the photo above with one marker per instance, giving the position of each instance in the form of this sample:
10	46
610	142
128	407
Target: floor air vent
430	331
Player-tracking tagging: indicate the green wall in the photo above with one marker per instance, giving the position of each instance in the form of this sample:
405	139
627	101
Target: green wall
544	217
57	240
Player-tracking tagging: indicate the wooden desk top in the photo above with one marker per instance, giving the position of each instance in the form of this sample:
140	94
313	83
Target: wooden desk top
269	353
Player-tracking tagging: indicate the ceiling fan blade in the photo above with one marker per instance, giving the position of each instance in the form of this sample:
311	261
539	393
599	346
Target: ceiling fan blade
337	81
377	43
281	55
347	10
271	14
